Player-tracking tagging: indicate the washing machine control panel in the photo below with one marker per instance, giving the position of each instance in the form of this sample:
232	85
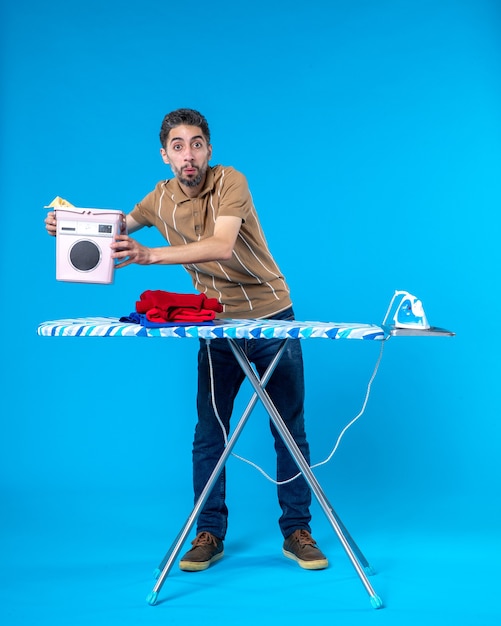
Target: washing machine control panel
67	227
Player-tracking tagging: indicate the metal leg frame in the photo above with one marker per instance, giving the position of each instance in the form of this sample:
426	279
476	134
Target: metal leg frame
165	566
353	552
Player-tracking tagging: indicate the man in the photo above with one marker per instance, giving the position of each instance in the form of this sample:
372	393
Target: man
207	216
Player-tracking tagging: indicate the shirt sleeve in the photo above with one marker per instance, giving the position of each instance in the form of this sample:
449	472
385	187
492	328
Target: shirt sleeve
234	195
138	214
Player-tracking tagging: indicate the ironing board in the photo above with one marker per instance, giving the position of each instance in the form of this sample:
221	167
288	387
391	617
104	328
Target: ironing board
232	330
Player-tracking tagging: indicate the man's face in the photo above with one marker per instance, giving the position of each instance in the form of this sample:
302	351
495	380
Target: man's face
188	154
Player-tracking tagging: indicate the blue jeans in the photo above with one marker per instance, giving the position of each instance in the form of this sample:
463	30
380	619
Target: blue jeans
286	389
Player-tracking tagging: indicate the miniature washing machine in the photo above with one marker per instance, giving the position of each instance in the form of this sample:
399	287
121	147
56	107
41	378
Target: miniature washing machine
84	236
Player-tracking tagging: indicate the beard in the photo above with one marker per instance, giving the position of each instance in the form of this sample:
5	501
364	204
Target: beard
195	180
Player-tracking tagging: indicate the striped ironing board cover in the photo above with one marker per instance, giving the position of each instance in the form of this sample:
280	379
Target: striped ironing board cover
219	329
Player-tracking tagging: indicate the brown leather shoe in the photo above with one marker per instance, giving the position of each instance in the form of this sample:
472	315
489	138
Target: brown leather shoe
301	547
207	549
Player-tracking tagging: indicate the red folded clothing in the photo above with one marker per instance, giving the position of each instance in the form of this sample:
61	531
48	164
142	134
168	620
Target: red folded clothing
165	306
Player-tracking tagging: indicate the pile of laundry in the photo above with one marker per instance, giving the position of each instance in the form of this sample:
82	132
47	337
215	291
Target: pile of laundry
157	307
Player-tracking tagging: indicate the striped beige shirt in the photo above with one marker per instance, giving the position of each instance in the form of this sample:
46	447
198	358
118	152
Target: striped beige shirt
250	284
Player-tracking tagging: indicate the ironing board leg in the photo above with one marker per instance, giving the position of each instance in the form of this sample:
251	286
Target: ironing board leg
168	560
369	570
305	469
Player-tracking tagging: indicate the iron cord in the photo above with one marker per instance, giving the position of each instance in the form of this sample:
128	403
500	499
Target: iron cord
338	441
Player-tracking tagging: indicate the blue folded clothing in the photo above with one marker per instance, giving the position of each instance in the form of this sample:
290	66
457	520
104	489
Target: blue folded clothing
140	318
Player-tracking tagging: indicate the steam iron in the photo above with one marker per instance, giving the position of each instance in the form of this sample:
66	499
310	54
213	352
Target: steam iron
406	311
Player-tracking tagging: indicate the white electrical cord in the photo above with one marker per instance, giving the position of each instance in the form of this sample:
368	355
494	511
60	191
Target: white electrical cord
341	435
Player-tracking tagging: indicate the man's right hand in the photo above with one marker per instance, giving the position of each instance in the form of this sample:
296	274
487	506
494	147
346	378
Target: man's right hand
51	224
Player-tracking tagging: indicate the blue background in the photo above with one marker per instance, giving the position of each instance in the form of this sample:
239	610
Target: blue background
370	135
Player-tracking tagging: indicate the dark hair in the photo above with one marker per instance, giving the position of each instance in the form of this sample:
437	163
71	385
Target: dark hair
188	117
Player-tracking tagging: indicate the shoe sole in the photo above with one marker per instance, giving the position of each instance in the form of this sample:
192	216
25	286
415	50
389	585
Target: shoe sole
194	566
318	564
